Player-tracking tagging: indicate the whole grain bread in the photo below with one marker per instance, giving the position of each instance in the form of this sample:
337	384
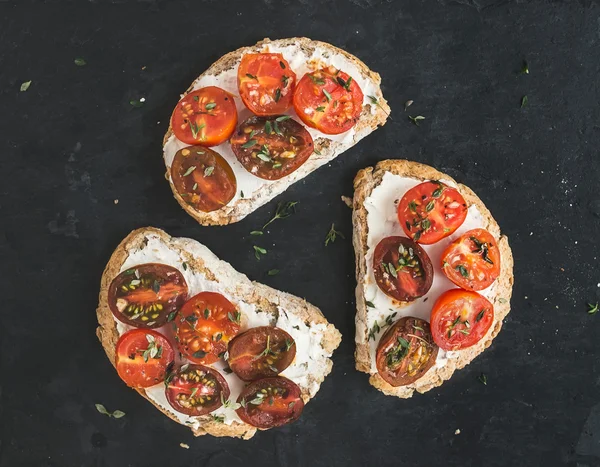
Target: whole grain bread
374	114
364	183
234	284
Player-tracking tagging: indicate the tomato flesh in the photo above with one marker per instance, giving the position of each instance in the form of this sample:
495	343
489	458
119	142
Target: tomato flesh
270	402
460	319
205	325
328	100
261	352
142	358
266	83
406	351
196	390
144	296
431	211
472	261
203	178
206	117
272	148
402	268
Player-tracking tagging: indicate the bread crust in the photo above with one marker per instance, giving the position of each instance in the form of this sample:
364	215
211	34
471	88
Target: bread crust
264	297
329	150
364	183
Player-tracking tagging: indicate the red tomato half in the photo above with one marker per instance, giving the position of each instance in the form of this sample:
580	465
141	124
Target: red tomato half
206	117
203	178
402	268
431	211
266	83
460	318
144	296
472	261
142	358
261	352
270	402
205	325
328	100
196	390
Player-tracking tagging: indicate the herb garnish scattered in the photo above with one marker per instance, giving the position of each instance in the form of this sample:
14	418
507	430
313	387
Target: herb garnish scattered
592	309
524	101
320	109
282	65
234	317
116	414
153	350
524	68
80	62
328	96
259	251
210	106
272	272
268	127
137	103
257	232
416	119
283	210
369	304
195	128
318	81
25	86
332	235
249	144
375	101
463	270
480	315
482	378
277	95
189	170
317	152
209	171
251	76
344	84
483	248
397	353
407	104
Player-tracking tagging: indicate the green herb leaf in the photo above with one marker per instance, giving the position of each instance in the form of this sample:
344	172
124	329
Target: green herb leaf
430	206
524	68
171	316
283	210
189	170
257	232
272	272
317	81
25	86
100	408
317	152
392	270
137	103
209	171
438	191
482	378
407	104
332	235
282	65
268	127
463	271
210	106
194	186
251	76
592	309
480	315
263	157
524	101
328	96
118	414
249	144
80	62
206	313
282	118
185	266
416	119
234	317
199	354
369	304
262	251
502	300
241	193
196	98
320	109
277	95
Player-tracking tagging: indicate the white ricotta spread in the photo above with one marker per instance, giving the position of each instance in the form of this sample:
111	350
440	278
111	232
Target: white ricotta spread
382	221
300	64
311	358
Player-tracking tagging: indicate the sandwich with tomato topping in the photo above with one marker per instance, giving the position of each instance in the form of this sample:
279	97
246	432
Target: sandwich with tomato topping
434	276
209	348
262	118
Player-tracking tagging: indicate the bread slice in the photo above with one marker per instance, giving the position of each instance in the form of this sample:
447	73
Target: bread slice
202	264
365	182
310	55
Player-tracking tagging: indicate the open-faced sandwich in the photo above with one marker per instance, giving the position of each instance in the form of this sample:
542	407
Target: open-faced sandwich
208	347
434	276
262	118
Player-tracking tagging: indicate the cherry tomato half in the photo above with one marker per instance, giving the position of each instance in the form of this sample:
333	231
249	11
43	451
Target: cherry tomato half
206	117
406	351
472	261
431	211
203	178
196	390
460	318
402	268
261	352
272	148
142	358
270	402
205	325
328	100
266	83
143	296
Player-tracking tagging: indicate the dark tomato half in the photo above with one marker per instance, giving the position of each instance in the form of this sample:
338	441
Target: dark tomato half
431	211
270	402
196	390
328	100
207	117
142	358
406	351
402	268
460	319
143	296
203	178
272	148
266	83
261	352
205	325
472	261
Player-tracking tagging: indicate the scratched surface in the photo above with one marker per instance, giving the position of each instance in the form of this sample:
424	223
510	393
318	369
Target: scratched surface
72	144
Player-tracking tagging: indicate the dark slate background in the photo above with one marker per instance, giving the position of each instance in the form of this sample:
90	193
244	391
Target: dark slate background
72	144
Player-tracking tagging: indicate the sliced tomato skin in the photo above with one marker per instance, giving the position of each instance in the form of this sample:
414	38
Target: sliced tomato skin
205	325
288	143
400	365
472	261
145	298
203	178
410	283
431	211
131	363
248	356
266	83
283	408
450	314
323	102
188	388
205	117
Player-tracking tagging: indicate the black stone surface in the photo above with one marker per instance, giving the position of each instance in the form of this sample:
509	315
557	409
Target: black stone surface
72	144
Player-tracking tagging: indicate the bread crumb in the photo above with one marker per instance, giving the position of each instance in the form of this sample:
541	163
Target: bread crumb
457	432
184	446
116	201
348	201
